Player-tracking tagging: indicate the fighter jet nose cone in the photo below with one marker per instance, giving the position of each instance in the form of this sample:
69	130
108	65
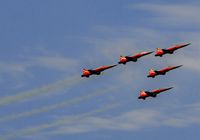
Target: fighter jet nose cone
188	44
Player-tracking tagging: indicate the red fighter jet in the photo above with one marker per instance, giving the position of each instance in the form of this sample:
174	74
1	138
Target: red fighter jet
144	94
97	71
160	52
152	73
134	58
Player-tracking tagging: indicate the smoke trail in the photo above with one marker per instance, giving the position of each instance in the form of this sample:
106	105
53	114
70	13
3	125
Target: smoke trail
33	130
40	91
59	105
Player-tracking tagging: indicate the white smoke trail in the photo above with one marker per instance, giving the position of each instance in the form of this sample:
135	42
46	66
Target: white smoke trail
56	106
33	130
40	91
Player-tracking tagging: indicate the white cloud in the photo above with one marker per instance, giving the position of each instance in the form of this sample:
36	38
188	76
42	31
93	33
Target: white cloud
52	62
135	120
172	14
21	73
125	40
190	55
56	62
112	48
14	73
189	62
184	118
12	67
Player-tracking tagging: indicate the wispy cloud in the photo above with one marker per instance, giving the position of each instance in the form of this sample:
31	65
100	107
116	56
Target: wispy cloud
135	120
190	62
184	118
23	70
32	130
61	84
14	73
14	69
56	62
189	55
124	41
171	14
129	121
51	62
43	109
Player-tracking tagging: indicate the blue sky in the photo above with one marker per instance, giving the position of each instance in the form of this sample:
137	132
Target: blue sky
45	44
